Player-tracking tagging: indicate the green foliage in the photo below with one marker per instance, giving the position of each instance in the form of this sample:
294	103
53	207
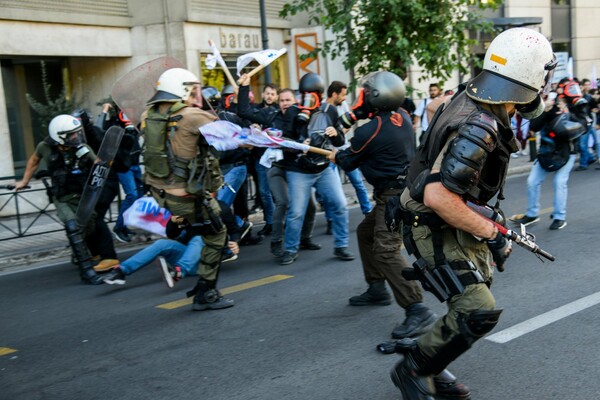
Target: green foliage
62	104
393	35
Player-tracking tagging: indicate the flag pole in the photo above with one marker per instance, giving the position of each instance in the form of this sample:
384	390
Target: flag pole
224	66
261	67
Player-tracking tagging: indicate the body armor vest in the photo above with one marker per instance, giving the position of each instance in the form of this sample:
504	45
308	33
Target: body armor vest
443	125
69	174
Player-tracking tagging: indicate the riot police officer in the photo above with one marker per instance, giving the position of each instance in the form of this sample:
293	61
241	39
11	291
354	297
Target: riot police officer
69	161
464	156
183	173
383	149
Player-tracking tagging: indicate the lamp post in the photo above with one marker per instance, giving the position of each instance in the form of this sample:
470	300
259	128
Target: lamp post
265	37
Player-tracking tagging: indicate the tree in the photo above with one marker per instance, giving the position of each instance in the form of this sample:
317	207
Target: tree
62	104
392	34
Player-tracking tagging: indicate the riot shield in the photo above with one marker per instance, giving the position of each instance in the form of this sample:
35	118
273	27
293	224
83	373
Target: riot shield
134	89
98	174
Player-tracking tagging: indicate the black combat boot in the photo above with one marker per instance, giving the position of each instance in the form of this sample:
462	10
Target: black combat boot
408	375
446	385
81	254
418	320
376	295
207	297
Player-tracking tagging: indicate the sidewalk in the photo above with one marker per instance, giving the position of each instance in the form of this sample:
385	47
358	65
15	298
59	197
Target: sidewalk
53	247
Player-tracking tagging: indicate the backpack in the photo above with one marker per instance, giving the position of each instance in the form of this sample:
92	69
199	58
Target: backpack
202	174
158	157
555	146
319	121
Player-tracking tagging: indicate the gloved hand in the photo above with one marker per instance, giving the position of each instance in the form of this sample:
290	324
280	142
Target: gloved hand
393	214
361	112
500	248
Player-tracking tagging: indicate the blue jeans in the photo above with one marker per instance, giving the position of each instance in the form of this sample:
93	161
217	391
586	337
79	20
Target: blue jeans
131	181
300	186
265	192
534	184
174	252
585	157
234	178
356	179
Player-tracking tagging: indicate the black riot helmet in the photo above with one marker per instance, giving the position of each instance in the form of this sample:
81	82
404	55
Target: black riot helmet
382	91
311	83
212	96
227	90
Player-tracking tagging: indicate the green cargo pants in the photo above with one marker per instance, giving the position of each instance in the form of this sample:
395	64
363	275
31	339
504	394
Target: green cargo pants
458	245
212	251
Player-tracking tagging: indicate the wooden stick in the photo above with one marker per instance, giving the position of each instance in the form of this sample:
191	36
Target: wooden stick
318	150
224	66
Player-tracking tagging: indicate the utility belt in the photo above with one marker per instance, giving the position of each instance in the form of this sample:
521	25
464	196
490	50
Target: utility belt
162	193
447	278
398	183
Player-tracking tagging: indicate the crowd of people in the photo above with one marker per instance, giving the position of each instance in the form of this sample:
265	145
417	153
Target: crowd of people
465	140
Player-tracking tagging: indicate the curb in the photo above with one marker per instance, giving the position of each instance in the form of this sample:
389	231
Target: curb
48	256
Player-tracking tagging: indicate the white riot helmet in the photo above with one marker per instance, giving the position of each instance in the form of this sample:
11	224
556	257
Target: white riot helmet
66	130
175	84
518	67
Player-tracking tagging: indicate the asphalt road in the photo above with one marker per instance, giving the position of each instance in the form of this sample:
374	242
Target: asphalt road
292	335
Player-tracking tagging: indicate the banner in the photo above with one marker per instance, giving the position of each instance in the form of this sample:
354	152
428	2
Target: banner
224	135
147	215
264	57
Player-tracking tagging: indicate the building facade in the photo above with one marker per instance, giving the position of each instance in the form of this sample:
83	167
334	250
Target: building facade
87	45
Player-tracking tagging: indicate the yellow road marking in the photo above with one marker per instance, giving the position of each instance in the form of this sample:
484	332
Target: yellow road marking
6	350
231	289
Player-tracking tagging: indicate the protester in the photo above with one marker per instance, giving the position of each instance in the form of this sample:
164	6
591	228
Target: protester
336	96
560	134
179	255
314	124
276	118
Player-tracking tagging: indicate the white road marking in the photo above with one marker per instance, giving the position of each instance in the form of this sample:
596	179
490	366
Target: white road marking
544	319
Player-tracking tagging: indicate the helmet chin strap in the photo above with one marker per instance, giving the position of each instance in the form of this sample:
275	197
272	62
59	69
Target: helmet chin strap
533	109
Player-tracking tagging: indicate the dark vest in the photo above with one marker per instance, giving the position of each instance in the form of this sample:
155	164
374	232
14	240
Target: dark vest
446	121
69	174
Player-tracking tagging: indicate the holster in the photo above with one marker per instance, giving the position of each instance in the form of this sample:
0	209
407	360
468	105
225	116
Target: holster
442	280
210	226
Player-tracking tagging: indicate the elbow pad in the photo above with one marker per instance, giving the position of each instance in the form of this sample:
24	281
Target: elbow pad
468	152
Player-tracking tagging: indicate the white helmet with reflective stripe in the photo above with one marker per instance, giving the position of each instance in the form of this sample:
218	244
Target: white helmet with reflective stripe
66	130
175	84
518	66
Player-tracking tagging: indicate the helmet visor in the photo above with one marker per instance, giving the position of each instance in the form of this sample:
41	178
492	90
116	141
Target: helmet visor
360	100
72	138
309	101
573	90
550	67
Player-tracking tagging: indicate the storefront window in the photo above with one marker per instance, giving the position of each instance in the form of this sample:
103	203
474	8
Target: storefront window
21	76
216	77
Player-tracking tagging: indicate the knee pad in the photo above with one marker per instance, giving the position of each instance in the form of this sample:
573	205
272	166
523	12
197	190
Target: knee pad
478	323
